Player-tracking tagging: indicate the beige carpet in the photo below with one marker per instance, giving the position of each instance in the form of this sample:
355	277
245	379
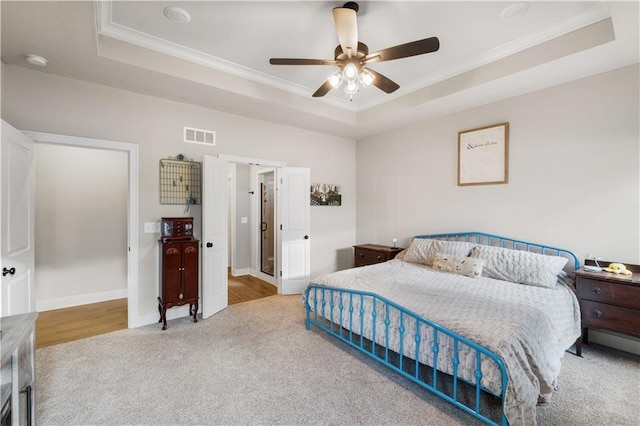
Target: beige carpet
254	363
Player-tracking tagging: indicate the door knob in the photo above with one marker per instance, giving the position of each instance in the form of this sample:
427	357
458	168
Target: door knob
6	271
209	245
306	237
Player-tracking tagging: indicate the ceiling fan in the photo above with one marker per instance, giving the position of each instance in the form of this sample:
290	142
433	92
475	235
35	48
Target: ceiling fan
352	56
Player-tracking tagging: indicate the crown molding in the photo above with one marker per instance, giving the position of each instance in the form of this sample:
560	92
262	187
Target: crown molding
106	27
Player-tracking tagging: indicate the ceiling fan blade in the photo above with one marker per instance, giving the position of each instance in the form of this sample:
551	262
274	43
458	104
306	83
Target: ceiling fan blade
383	83
418	47
294	61
347	29
323	90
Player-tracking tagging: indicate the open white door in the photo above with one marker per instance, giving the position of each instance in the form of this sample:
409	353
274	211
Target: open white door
294	248
18	221
214	236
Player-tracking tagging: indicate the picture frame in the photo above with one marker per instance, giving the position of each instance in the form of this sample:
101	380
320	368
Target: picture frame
483	155
326	194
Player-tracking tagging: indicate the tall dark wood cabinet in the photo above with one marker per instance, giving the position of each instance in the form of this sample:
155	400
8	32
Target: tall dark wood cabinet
178	276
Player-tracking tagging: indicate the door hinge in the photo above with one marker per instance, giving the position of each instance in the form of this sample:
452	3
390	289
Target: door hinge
281	274
281	227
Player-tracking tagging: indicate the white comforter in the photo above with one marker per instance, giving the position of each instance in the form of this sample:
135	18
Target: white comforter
528	327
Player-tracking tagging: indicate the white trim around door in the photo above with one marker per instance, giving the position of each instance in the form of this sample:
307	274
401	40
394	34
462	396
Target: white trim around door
132	227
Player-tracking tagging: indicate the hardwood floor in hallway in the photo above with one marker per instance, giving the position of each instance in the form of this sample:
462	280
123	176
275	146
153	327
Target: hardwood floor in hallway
247	287
79	322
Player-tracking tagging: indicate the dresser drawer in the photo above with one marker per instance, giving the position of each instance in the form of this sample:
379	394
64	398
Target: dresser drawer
610	317
370	254
607	292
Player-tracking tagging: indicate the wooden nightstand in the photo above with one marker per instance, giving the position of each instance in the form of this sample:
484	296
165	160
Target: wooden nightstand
370	254
608	302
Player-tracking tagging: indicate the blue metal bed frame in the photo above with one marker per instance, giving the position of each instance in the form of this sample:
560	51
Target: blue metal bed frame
324	298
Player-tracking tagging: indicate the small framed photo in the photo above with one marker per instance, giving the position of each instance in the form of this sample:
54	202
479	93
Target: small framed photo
483	155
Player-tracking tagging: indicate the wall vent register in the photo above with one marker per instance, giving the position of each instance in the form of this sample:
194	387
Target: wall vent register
200	136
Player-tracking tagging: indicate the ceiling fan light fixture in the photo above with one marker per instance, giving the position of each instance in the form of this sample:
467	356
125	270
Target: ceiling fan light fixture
350	72
366	78
335	80
351	88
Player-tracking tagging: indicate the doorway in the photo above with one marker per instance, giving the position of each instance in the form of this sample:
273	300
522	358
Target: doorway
252	251
131	205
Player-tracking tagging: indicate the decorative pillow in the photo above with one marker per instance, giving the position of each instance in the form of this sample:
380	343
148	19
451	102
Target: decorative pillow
453	248
423	250
520	266
468	266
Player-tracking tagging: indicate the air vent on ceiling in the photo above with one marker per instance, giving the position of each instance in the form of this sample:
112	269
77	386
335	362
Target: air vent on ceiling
203	137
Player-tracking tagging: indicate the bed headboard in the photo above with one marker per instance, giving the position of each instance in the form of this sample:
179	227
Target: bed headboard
498	241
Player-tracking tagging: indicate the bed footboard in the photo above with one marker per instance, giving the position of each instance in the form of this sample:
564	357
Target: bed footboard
413	346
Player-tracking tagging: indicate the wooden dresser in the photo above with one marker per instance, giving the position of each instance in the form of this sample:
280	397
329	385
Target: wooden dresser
608	302
370	254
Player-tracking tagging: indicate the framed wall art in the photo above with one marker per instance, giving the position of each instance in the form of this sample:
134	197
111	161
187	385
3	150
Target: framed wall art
483	155
325	194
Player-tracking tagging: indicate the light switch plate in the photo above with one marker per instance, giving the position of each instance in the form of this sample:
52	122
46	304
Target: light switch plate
152	227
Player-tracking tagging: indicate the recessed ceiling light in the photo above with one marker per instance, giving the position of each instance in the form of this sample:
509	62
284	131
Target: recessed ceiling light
177	14
35	60
515	9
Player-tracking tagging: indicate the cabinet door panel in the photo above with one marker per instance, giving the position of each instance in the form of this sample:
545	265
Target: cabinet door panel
190	271
171	264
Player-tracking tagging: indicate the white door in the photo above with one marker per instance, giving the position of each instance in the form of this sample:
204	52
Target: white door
214	236
17	212
294	248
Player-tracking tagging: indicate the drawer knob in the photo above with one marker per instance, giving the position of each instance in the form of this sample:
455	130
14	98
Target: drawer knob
361	254
379	258
596	290
597	313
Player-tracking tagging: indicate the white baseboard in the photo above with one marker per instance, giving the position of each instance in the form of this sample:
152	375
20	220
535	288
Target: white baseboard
80	299
614	340
240	272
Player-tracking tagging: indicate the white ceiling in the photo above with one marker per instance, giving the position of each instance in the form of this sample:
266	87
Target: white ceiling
220	59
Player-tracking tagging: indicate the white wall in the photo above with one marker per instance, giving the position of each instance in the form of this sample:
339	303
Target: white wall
37	101
81	225
574	172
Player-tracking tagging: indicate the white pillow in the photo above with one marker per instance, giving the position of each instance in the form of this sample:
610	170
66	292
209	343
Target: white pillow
418	250
468	266
423	250
520	266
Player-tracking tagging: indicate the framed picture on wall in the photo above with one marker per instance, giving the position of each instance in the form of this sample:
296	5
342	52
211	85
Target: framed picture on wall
326	194
483	155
